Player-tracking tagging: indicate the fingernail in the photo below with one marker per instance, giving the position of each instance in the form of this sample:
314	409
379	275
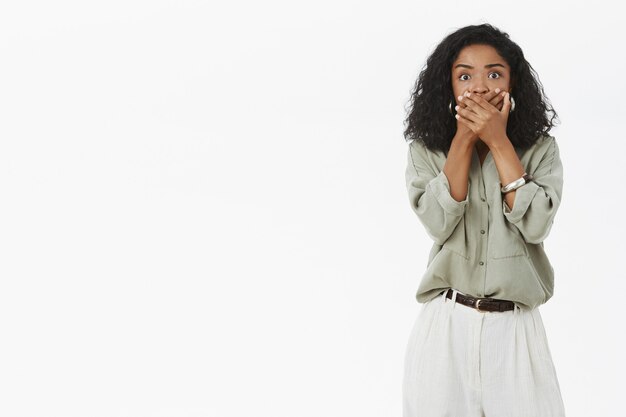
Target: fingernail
456	107
497	90
460	97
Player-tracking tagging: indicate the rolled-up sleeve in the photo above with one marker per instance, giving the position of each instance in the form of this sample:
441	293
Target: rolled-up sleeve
537	202
429	195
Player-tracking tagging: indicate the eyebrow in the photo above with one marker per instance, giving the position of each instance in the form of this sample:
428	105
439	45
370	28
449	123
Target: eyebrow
486	66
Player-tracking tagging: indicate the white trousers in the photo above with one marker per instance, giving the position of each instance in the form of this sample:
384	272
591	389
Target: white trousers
461	362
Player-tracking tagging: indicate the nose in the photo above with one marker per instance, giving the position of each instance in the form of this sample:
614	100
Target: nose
479	89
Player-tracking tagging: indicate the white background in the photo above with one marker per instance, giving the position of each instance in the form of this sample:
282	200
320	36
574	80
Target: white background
203	209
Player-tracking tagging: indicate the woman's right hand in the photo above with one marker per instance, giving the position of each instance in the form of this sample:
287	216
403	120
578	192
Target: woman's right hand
493	97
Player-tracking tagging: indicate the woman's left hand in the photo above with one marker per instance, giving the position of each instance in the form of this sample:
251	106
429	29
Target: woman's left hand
484	118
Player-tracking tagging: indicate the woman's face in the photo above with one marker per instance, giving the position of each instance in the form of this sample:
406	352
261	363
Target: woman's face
479	69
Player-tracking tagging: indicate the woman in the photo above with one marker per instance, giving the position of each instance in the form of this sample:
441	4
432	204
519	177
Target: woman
485	179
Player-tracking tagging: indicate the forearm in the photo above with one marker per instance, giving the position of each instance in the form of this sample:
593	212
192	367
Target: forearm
509	166
429	194
457	166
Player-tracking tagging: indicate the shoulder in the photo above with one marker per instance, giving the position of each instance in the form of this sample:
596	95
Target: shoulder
546	141
416	145
542	157
544	145
419	148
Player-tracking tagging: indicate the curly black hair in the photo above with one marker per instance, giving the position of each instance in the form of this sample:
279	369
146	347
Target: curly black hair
429	119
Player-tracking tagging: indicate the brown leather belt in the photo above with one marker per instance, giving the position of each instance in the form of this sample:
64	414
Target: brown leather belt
482	304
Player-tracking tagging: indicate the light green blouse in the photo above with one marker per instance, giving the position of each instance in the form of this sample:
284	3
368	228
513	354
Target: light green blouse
480	247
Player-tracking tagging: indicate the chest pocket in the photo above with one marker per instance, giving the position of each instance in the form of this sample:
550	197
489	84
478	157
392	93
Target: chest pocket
510	243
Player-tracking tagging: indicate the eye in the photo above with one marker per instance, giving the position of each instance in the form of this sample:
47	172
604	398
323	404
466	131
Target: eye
497	73
461	77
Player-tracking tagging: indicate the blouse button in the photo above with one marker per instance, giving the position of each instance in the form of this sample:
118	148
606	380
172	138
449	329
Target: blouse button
482	199
482	232
481	263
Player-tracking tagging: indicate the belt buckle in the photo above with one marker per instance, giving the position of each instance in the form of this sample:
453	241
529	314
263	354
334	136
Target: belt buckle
477	305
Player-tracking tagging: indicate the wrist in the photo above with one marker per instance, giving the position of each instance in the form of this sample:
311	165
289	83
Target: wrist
501	145
465	140
512	186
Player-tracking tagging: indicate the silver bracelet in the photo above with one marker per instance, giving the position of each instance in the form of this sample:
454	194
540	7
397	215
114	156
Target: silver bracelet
526	178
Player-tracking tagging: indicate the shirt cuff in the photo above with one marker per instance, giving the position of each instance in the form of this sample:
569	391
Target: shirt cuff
441	189
523	197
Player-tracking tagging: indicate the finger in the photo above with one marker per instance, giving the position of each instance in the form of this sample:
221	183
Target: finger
480	102
460	104
501	97
473	107
507	104
495	97
491	94
459	100
464	102
465	122
468	114
497	100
